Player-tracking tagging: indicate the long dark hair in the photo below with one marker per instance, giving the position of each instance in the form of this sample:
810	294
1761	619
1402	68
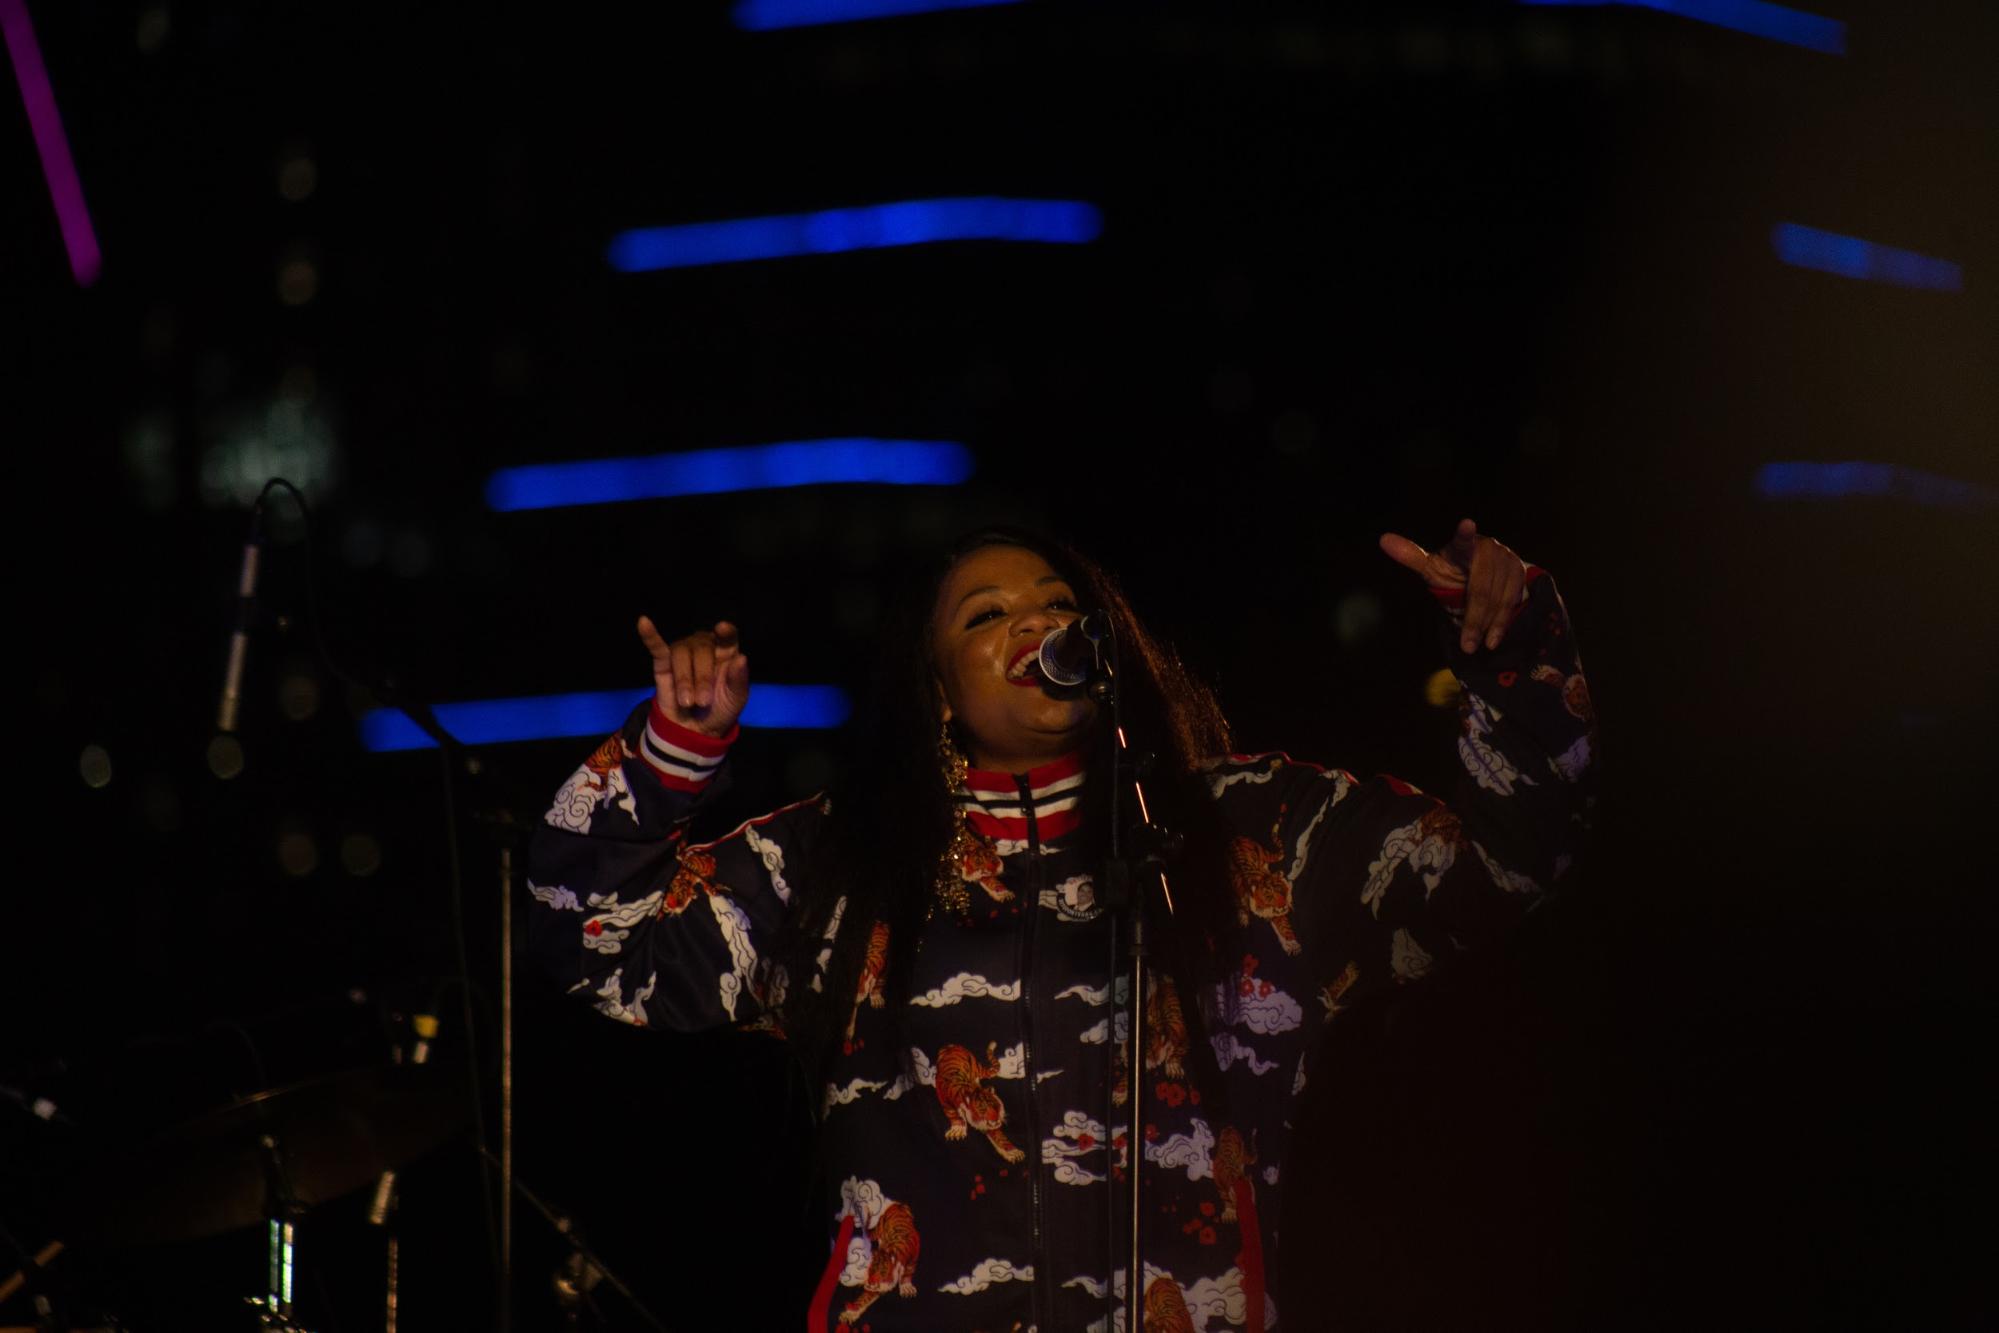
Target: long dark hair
892	818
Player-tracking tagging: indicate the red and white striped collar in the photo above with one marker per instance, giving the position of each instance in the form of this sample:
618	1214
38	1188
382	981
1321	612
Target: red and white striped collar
994	806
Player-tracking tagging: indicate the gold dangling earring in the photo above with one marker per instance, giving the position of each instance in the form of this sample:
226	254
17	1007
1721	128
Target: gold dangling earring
950	761
951	889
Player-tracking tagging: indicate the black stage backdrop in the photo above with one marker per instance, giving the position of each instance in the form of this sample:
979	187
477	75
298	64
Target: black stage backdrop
1362	268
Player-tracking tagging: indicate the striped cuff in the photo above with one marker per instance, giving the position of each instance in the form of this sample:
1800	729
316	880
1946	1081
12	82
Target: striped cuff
682	760
1452	600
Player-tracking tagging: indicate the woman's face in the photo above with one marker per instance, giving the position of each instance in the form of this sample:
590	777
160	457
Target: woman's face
995	607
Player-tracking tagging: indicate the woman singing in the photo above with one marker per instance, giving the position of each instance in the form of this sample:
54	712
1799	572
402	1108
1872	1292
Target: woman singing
934	941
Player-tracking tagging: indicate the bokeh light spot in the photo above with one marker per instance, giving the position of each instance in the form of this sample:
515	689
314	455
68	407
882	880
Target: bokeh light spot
225	757
360	854
298	281
298	854
298	177
95	766
298	696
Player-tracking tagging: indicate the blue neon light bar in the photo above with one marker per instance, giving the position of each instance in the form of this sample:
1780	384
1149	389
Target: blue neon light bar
1851	257
1832	481
870	227
549	716
764	15
1778	23
754	467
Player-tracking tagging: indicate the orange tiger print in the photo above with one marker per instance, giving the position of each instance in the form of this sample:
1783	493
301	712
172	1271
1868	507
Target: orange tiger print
968	1103
893	1267
1165	1028
606	758
874	975
1575	691
1261	891
1232	1163
1166	1308
1439	822
1332	991
696	868
979	864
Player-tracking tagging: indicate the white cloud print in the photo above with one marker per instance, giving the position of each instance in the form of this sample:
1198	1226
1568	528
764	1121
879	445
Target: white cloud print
1211	1302
862	1200
1262	1014
987	1273
1409	960
1511	881
1223	1298
1013	1062
860	1257
1194	1152
1076	1137
837	1096
559	898
771	853
611	998
1096	1289
1088	995
1228	1051
967	986
1104	1029
602	932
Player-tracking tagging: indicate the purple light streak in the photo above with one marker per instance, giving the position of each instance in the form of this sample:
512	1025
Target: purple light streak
58	168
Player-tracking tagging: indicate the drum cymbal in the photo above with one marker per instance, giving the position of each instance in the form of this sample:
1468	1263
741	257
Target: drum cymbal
334	1134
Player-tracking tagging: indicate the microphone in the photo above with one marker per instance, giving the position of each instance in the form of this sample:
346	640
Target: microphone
1068	653
239	641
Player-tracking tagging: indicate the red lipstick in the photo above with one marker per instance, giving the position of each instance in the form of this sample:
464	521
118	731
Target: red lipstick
1029	678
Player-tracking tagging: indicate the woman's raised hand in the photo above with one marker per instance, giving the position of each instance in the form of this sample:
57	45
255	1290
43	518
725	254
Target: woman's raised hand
1493	578
702	680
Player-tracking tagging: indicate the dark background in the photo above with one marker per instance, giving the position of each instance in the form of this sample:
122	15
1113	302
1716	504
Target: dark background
1364	268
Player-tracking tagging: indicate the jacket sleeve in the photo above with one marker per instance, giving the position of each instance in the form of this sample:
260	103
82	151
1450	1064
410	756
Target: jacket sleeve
1380	881
629	915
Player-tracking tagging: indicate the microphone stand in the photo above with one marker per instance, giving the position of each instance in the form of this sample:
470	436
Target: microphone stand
1136	889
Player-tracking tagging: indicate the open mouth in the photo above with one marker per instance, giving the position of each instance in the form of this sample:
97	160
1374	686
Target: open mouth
1025	669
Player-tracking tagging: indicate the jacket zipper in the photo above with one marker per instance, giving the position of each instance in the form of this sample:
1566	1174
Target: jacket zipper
1031	907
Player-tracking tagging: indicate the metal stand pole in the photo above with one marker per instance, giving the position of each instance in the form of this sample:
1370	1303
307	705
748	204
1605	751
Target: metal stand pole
506	1311
1135	1131
281	1208
389	1300
1137	859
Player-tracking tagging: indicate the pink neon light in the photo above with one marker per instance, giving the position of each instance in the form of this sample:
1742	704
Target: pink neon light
65	191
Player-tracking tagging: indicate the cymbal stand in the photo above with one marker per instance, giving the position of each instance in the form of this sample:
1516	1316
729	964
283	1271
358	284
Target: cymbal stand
382	1211
582	1270
275	1307
29	1278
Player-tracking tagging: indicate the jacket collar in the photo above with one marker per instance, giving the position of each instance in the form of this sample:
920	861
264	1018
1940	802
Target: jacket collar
995	806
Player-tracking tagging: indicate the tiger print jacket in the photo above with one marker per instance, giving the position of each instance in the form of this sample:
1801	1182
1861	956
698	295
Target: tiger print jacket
974	1173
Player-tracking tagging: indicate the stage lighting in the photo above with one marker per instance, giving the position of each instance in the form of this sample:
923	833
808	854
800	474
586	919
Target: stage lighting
718	471
1864	261
764	15
1778	23
58	167
870	227
550	716
1829	481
